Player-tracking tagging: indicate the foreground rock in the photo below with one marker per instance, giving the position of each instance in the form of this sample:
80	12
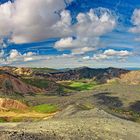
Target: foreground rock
94	124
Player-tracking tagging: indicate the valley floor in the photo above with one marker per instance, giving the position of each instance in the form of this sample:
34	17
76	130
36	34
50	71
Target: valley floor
87	115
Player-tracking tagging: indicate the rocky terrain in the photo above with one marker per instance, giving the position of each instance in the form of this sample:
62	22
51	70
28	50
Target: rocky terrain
100	75
101	104
73	124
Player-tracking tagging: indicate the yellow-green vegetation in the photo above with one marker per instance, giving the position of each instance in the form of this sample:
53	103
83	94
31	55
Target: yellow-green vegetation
80	85
45	108
2	120
10	116
16	119
34	113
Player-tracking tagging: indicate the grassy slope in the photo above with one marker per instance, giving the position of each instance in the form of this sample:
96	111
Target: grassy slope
34	113
80	85
45	108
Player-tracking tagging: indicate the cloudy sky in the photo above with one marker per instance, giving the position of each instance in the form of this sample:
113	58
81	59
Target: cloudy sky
70	33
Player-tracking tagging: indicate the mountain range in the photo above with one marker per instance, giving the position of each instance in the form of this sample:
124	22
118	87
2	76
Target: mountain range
24	80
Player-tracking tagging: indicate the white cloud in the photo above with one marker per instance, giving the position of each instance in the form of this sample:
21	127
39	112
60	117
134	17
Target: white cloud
28	59
136	22
92	24
136	17
78	46
112	54
86	58
14	54
100	57
135	29
28	54
33	20
64	43
63	27
87	31
36	20
74	61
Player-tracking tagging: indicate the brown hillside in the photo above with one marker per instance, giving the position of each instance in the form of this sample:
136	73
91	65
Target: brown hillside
11	84
132	77
17	71
11	104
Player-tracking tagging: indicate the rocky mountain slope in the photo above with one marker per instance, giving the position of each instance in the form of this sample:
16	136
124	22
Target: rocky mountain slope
36	80
20	82
100	75
12	84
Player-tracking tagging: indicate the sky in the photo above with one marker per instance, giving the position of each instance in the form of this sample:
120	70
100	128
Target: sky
70	33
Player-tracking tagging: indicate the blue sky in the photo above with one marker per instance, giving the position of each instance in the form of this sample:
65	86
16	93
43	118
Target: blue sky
74	33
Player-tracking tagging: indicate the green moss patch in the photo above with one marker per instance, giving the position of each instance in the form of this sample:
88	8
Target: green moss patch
81	85
45	108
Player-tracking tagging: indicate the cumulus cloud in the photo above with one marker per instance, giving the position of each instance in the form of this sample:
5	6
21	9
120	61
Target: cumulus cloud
110	54
28	59
16	56
92	24
33	20
86	58
136	22
78	46
136	17
87	31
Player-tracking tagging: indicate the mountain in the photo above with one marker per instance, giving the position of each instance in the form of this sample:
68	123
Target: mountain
21	81
17	71
10	84
100	75
24	81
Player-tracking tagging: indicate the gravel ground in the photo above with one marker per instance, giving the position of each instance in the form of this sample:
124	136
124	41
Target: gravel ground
73	124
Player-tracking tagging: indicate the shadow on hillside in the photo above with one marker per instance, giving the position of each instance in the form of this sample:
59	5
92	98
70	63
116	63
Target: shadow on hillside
135	106
105	99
